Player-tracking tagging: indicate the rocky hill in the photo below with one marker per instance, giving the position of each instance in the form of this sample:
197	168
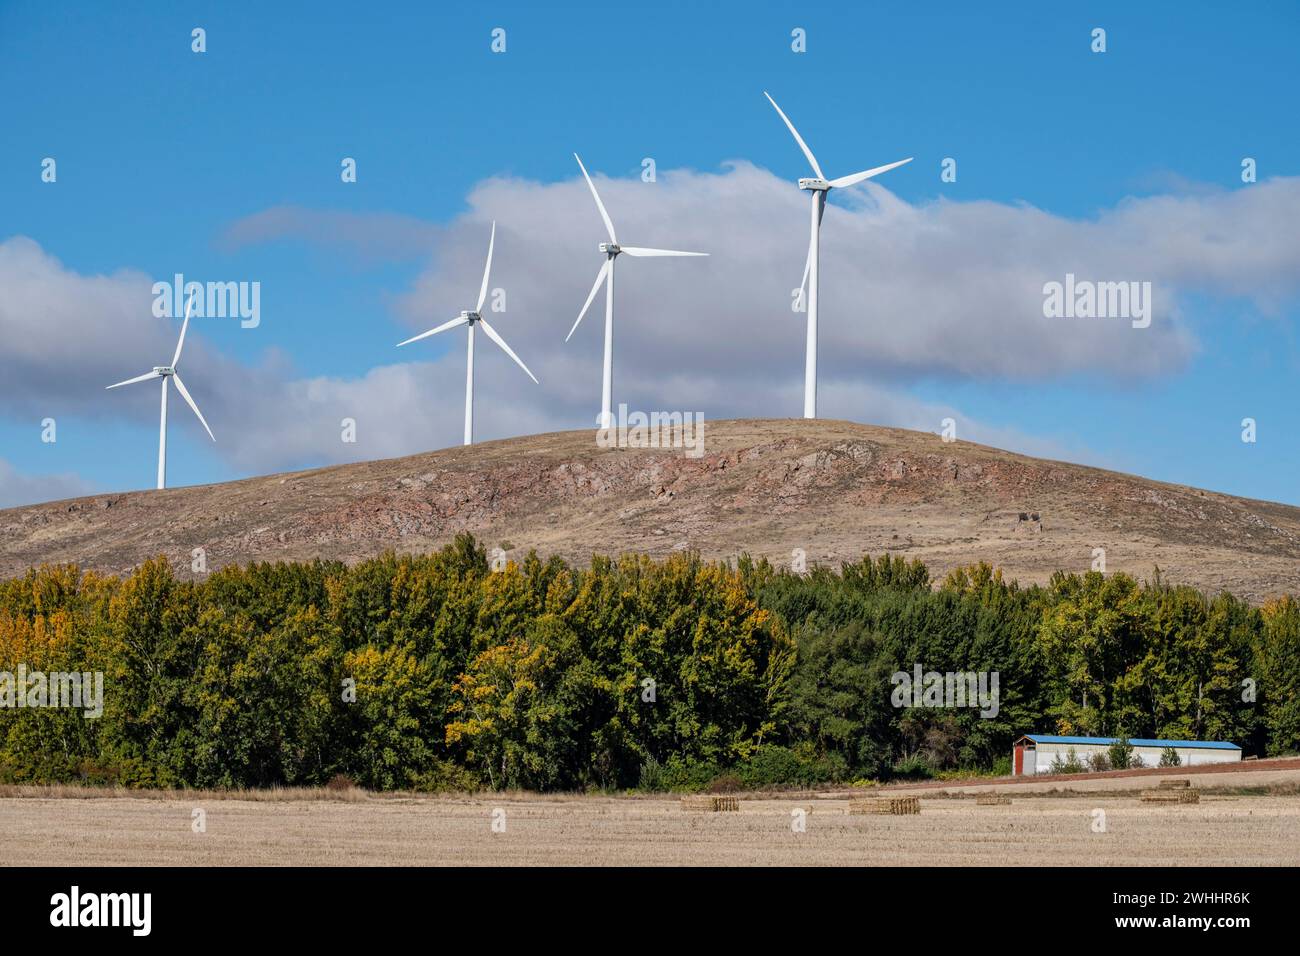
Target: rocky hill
833	489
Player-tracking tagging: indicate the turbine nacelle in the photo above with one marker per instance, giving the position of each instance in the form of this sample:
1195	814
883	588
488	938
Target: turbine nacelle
610	249
814	185
471	317
164	370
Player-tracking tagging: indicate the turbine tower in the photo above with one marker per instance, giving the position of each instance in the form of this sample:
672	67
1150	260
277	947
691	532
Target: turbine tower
166	372
818	186
472	319
611	250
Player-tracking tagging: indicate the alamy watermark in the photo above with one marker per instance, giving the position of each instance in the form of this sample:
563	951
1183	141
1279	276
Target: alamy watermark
1085	299
924	688
654	430
56	689
75	908
214	300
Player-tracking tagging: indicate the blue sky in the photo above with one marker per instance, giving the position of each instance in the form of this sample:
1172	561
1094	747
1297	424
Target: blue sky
162	152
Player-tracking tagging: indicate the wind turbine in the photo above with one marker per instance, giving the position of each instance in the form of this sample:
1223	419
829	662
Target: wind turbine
472	319
611	250
818	186
166	372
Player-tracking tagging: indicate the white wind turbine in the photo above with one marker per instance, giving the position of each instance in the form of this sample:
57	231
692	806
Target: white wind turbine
166	372
611	250
818	186
472	319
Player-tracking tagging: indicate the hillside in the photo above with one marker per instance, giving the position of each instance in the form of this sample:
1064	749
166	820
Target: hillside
834	489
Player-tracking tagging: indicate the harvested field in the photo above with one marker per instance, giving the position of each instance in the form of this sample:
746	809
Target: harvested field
578	830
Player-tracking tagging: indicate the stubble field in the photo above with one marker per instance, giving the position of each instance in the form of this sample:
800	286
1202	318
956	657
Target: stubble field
585	830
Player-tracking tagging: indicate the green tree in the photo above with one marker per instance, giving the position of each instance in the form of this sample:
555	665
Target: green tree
1278	662
1120	754
388	728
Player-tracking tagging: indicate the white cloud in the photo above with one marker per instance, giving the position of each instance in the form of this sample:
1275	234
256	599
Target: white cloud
948	289
68	335
937	291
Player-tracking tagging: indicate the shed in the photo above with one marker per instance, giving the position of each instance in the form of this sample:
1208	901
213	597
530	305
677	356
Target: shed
1035	753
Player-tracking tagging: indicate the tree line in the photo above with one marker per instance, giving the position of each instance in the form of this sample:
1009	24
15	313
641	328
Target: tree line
437	672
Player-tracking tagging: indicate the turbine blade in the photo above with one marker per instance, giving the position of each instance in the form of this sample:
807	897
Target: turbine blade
807	267
139	378
487	270
812	160
180	343
867	174
641	252
492	334
599	205
185	394
807	263
459	320
600	277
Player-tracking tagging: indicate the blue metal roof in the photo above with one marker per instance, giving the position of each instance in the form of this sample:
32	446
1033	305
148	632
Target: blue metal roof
1135	741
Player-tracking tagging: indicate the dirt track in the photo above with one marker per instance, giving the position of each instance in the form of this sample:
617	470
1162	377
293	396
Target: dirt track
1279	772
457	831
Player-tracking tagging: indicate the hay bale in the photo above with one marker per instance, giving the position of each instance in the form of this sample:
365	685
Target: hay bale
896	806
710	804
992	800
1178	783
905	805
1159	796
868	805
1171	796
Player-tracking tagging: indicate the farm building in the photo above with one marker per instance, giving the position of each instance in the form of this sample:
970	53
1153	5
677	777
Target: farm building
1035	753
